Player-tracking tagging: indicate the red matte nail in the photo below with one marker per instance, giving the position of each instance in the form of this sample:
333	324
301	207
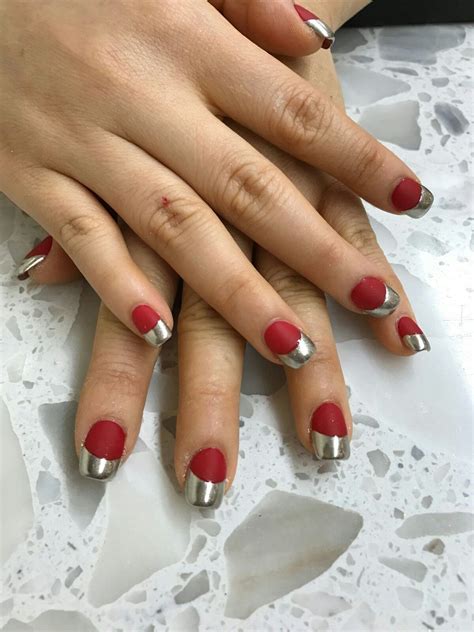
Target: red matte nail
209	465
282	337
329	420
408	327
407	195
304	14
145	318
105	440
42	248
369	293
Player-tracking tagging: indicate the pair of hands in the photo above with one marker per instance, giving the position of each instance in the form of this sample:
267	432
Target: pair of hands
121	157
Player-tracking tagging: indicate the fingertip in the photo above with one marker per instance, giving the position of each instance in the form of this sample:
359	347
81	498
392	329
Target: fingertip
47	264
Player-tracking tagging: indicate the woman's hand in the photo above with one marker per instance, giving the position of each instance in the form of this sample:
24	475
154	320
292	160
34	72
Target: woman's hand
101	102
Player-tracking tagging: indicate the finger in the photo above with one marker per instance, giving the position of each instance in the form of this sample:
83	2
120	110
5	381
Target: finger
80	224
47	264
210	373
114	392
168	215
318	394
293	115
257	198
399	332
278	26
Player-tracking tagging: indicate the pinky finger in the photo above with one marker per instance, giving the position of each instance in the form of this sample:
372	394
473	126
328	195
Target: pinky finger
81	225
47	264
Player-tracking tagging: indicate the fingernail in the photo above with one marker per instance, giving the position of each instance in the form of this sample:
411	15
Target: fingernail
412	198
34	258
412	336
205	479
102	450
155	331
329	433
374	297
289	343
318	26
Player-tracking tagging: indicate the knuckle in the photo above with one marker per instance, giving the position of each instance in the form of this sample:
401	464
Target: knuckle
305	117
235	291
80	231
116	375
247	191
197	316
362	237
169	219
367	160
288	283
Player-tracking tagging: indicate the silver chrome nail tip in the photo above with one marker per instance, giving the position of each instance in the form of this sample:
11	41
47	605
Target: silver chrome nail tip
423	206
300	354
158	335
94	467
329	448
416	342
389	305
27	265
201	493
322	29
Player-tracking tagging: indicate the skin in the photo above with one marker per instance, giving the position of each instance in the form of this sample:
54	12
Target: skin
70	76
211	351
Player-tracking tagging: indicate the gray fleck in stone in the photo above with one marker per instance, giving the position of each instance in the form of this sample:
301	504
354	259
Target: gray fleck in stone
427	501
365	420
410	568
198	545
424	97
451	118
302	476
47	488
246	407
72	576
416	453
211	527
271	483
321	604
440	82
53	621
405	44
379	461
428	243
197	586
362	87
410	598
403	70
185	621
398	514
435	546
348	40
279	533
436	524
395	123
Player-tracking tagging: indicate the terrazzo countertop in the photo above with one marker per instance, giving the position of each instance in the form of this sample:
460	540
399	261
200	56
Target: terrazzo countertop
383	541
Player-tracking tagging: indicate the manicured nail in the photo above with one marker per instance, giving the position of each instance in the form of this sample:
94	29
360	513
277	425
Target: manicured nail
102	450
34	258
412	336
155	331
205	479
318	26
329	433
374	297
412	198
289	343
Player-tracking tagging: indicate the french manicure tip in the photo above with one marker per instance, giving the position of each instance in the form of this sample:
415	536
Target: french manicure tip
416	342
301	354
160	334
389	305
317	25
203	494
424	204
97	468
330	448
28	264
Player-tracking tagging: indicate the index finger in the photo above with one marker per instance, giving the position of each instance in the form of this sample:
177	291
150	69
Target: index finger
288	111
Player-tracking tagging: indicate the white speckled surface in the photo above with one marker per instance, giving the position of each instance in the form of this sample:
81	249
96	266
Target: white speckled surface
383	541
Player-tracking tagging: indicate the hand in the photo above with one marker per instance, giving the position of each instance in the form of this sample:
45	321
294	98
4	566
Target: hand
102	101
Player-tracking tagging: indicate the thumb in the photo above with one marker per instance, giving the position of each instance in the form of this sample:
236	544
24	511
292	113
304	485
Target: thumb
47	264
278	26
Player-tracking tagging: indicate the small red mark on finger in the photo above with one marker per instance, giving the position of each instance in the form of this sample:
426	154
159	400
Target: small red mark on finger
165	201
